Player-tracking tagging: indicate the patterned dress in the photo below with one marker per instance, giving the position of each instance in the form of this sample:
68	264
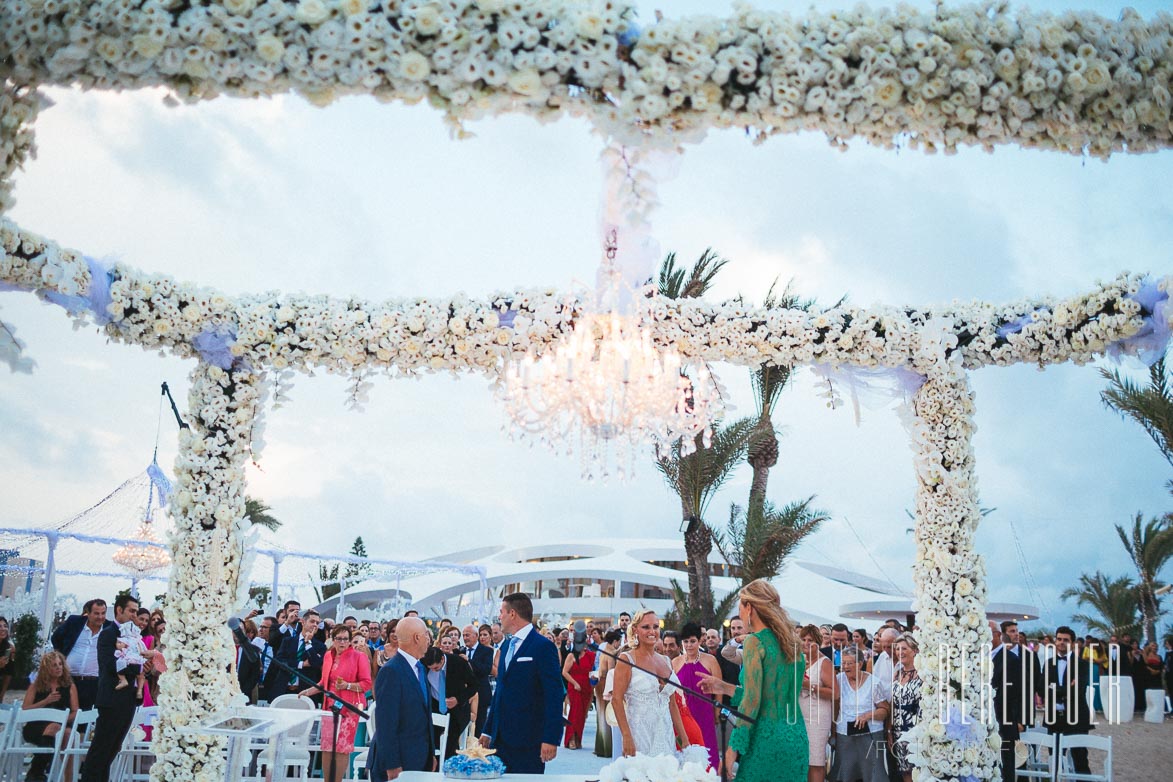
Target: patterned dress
905	714
774	749
649	714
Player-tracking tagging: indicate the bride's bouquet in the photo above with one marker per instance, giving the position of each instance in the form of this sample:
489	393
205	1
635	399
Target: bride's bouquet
691	765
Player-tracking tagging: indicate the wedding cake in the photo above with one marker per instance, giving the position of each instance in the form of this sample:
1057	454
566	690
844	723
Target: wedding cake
473	762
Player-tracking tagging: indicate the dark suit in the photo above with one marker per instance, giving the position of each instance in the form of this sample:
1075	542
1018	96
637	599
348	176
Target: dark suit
1069	692
313	654
403	722
248	671
115	710
481	662
1015	679
459	683
64	638
274	681
527	707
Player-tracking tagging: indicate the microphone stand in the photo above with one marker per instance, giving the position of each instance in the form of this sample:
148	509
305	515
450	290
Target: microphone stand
723	712
336	704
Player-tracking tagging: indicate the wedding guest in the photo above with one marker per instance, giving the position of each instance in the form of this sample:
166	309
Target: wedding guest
671	641
157	665
498	635
390	642
268	642
576	671
838	642
905	702
819	693
248	669
859	730
51	689
603	743
7	655
303	652
825	636
691	667
859	637
360	643
1015	680
774	746
291	622
115	707
348	673
77	639
1065	708
403	735
480	659
883	665
624	622
1169	667
453	691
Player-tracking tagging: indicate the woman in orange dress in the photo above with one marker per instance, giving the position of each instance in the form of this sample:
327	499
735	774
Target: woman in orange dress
346	671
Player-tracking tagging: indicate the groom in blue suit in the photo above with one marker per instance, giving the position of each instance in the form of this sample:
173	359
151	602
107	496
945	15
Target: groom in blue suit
403	717
525	719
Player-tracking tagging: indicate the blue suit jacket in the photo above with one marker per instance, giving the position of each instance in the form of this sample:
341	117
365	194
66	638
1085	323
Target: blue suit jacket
527	705
403	722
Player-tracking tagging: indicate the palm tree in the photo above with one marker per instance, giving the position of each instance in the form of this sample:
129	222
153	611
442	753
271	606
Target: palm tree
694	479
768	381
1150	406
1150	547
757	541
1114	600
257	513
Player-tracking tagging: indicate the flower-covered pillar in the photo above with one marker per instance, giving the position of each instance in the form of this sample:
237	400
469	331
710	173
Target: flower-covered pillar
956	738
207	549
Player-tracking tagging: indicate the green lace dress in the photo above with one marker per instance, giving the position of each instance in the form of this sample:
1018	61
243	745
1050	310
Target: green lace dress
775	748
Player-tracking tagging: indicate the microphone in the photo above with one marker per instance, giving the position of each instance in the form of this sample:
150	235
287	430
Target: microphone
237	628
580	636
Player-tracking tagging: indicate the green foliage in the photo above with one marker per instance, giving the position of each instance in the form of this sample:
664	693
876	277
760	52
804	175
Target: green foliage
757	541
1149	546
26	632
1113	599
695	478
257	513
328	575
683	611
259	596
676	282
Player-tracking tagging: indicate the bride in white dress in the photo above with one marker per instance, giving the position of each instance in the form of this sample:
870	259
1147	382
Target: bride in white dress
649	721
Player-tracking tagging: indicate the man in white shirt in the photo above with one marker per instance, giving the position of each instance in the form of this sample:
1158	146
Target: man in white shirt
882	666
77	639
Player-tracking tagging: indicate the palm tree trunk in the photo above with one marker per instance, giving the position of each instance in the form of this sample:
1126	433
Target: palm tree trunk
763	454
698	544
1148	611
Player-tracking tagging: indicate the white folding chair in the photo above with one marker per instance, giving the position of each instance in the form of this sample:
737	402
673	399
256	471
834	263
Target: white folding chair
441	721
1036	766
1099	743
298	759
134	760
16	749
358	763
76	746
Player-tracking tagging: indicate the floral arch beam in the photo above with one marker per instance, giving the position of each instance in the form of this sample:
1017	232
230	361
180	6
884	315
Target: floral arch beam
967	75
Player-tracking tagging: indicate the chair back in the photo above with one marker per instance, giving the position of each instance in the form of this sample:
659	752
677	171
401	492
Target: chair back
292	700
1036	767
1084	741
441	721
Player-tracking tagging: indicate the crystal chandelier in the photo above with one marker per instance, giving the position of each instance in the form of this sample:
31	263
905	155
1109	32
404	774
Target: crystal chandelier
606	390
144	555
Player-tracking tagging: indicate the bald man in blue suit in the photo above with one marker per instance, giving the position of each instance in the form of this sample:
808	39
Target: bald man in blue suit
403	716
525	719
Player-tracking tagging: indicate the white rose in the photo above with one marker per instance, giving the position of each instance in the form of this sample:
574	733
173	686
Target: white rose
414	66
353	7
240	7
311	12
270	48
527	82
427	20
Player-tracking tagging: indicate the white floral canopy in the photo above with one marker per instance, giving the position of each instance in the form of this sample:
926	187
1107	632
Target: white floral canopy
975	75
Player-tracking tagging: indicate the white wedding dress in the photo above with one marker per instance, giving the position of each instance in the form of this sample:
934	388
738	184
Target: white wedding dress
649	715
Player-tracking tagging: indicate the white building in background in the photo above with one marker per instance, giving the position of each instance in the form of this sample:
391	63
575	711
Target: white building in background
19	575
593	579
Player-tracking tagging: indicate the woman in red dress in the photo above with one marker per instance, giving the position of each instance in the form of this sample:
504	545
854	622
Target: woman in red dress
346	671
576	670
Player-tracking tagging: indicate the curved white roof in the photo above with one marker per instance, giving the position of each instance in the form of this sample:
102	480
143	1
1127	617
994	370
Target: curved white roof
808	593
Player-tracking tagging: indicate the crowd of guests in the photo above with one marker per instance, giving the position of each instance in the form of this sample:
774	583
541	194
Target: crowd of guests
856	691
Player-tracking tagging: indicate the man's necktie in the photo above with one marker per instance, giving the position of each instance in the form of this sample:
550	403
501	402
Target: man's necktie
423	677
509	652
265	655
443	689
300	657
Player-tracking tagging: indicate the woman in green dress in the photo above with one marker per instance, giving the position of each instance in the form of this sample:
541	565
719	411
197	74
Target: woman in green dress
773	748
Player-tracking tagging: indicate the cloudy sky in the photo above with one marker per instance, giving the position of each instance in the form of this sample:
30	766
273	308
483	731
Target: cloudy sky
377	201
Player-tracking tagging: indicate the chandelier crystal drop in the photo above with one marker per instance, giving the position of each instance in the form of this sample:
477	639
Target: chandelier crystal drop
142	557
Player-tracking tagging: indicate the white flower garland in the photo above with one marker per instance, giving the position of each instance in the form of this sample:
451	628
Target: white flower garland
971	75
18	107
459	334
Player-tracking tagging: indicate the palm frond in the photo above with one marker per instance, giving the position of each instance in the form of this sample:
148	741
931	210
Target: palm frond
677	282
257	513
758	541
1150	406
1114	600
